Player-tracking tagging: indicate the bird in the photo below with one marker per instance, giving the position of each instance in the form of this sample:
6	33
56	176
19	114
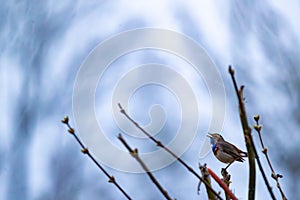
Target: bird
225	151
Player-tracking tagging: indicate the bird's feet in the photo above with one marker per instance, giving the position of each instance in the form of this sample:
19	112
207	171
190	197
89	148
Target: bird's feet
226	176
224	171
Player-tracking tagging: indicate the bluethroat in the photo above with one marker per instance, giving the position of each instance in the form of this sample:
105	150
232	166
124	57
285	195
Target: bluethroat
225	151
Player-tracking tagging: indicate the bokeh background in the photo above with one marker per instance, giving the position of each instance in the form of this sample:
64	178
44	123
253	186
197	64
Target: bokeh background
43	43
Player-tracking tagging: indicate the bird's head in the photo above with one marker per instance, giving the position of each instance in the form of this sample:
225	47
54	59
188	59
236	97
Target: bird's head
215	137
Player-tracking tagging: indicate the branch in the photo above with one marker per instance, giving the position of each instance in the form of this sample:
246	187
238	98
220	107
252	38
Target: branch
226	180
206	178
159	144
222	184
247	135
134	153
84	150
252	153
275	176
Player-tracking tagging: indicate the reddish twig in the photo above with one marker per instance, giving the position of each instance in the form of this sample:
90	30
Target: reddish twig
84	150
222	184
275	176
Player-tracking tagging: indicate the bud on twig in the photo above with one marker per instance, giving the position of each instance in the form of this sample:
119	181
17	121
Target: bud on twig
231	70
121	108
65	120
273	175
135	152
265	150
256	118
85	150
279	176
111	179
159	144
71	130
257	128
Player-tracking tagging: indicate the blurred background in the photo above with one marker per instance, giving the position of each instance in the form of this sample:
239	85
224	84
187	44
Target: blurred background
43	43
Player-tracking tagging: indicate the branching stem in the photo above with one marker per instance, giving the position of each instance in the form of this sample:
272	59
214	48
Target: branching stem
159	144
111	179
134	153
222	184
252	153
275	176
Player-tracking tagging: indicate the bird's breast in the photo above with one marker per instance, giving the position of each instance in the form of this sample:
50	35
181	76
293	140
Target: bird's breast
215	149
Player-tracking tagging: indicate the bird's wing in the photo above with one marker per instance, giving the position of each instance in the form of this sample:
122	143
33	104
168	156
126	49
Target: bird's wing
231	150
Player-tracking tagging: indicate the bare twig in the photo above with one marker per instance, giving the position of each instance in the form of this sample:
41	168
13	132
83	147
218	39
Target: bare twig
159	144
222	184
275	176
84	150
206	178
226	180
252	153
134	153
247	135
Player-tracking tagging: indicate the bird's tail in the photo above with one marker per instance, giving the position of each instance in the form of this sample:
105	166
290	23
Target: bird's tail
244	154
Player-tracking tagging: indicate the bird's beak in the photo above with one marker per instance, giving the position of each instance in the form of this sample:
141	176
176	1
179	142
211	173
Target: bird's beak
209	135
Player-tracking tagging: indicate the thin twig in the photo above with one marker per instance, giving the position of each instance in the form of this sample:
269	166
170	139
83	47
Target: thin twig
159	144
252	153
275	176
134	153
222	184
206	178
226	180
84	150
247	135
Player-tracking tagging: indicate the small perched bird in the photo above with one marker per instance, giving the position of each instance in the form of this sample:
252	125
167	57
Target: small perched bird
225	151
